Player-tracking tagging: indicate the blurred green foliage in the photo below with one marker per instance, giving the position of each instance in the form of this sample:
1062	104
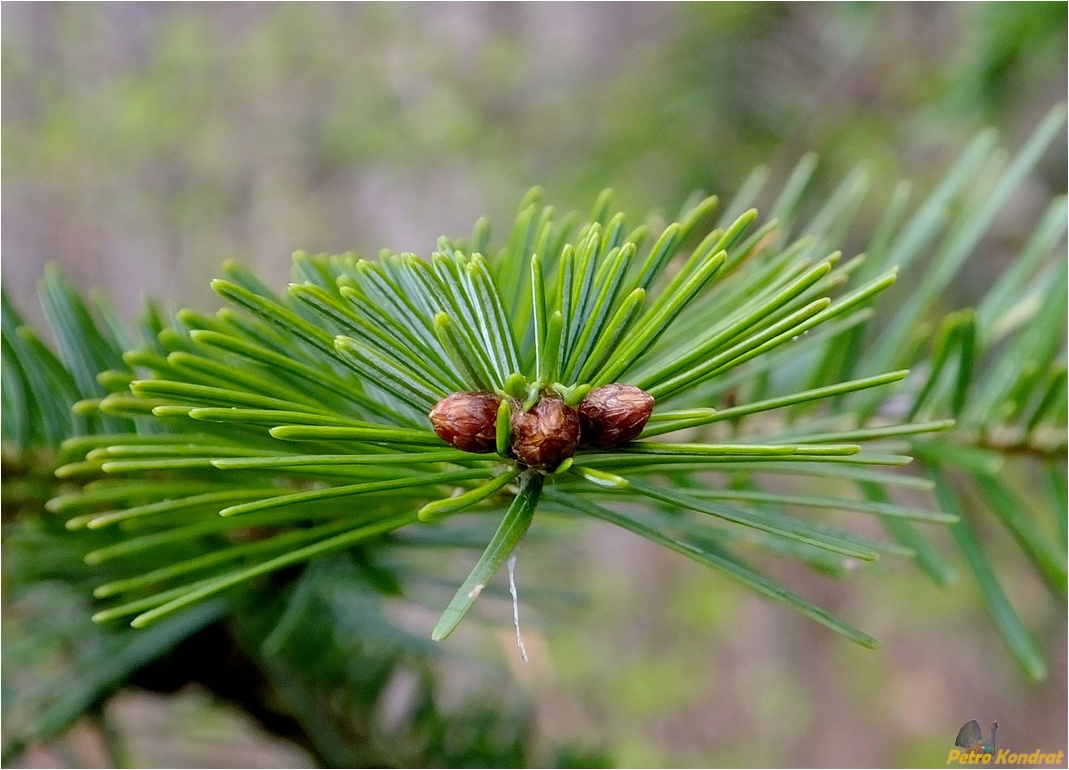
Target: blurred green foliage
183	135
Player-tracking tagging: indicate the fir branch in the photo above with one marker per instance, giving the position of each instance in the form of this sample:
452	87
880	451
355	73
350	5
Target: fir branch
302	415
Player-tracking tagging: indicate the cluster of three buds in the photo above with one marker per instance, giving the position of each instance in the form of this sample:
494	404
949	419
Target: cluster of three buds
550	431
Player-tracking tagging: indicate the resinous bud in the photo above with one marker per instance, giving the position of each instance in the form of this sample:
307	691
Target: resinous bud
546	435
467	421
613	415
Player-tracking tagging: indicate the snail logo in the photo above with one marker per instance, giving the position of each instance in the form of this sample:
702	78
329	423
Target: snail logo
972	748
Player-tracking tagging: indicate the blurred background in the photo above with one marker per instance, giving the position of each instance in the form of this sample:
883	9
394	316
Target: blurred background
145	143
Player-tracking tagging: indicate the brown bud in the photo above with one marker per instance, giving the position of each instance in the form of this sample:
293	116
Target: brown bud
613	414
546	435
467	421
